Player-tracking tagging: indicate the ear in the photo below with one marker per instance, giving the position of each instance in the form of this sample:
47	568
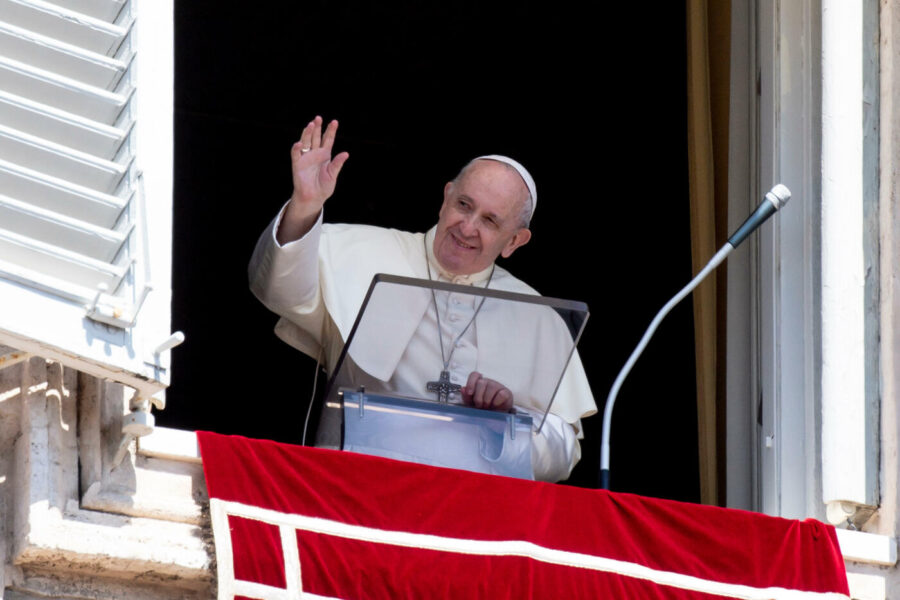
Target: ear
520	238
448	190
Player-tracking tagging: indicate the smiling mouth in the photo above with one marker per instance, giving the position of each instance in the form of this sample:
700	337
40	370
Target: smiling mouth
461	243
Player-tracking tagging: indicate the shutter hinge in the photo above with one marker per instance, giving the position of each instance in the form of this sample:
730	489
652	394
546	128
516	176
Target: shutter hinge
116	313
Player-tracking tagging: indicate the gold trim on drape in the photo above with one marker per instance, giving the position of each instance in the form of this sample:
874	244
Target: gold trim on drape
708	70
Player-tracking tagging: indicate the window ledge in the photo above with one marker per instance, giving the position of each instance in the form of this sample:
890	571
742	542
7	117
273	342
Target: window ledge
867	548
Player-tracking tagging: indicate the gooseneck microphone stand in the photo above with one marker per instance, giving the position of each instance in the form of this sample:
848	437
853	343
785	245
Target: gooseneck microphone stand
777	197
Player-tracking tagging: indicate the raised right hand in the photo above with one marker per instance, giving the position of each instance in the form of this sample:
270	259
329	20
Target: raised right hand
315	174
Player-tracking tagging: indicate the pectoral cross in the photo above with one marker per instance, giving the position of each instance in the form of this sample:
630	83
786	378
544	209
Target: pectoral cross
443	387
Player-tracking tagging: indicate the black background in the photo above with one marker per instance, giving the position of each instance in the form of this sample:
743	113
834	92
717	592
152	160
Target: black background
594	105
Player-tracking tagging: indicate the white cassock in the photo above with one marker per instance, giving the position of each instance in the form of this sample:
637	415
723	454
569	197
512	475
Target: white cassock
317	285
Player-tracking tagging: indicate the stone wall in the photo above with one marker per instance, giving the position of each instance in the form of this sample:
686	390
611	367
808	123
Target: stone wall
75	525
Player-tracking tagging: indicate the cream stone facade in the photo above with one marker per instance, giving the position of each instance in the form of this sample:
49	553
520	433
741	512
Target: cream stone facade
75	525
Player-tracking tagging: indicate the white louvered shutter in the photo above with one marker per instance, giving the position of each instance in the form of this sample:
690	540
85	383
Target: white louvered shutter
86	183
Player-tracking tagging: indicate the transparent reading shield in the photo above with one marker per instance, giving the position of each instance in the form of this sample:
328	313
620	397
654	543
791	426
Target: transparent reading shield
399	387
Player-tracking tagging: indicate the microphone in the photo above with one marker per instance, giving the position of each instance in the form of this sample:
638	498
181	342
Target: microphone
777	197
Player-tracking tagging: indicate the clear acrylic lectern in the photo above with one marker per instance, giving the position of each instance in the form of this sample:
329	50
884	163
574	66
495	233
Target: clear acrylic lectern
395	389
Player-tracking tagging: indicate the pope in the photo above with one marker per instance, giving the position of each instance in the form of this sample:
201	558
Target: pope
301	269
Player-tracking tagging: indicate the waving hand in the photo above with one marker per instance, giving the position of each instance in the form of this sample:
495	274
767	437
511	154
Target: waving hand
315	174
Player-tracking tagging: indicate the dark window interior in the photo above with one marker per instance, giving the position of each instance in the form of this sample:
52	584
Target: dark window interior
594	106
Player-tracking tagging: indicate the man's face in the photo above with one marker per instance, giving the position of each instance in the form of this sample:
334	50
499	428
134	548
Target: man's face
480	218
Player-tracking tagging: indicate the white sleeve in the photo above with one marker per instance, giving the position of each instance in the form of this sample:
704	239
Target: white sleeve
555	450
285	278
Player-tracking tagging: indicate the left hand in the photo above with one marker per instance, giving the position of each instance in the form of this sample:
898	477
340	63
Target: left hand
482	392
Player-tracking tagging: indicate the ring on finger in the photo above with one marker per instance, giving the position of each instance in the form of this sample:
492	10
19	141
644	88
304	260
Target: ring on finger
305	149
